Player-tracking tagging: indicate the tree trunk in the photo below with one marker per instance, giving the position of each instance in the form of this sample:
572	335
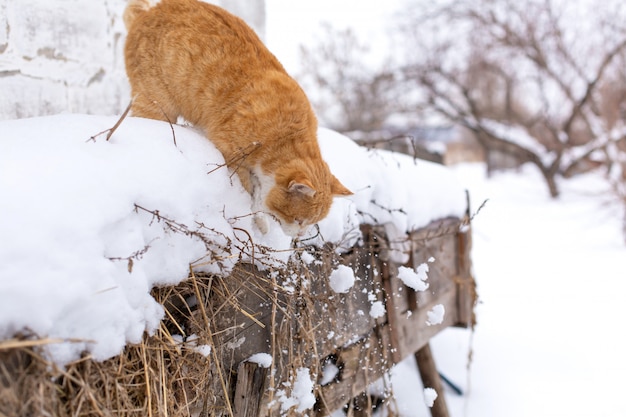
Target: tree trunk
549	173
550	178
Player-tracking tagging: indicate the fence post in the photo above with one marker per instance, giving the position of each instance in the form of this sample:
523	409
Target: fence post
249	390
430	379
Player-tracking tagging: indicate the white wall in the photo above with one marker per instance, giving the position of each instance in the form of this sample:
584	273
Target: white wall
59	56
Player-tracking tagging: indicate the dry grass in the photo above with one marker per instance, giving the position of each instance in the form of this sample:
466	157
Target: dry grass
166	374
156	377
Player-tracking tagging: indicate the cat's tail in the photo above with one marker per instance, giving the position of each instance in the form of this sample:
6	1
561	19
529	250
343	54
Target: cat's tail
134	8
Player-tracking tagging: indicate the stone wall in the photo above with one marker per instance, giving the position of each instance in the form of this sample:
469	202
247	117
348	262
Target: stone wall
67	55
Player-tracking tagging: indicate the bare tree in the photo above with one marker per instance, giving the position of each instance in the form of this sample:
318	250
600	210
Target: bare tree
348	92
532	79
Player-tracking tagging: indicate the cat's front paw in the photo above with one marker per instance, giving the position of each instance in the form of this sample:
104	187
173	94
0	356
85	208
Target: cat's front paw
262	222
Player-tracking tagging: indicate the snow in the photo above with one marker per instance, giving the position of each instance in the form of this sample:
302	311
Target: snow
329	373
414	278
377	309
341	279
430	395
302	396
264	360
307	257
435	315
204	350
191	342
89	226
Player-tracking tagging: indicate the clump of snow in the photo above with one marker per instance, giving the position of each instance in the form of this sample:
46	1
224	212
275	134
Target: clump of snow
430	395
377	309
302	396
204	350
435	315
329	373
307	257
264	360
90	226
341	279
415	279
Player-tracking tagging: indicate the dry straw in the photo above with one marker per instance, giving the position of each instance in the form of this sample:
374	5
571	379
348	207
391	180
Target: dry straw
184	369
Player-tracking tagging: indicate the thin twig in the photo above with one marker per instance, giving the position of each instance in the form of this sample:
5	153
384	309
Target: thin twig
117	124
238	157
119	121
156	103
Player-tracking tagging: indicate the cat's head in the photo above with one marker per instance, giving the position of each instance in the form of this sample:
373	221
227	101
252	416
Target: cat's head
300	197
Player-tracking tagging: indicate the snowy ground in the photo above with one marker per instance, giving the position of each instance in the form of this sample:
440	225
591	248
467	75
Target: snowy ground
551	278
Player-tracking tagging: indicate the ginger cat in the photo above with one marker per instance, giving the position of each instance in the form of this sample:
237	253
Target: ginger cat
192	59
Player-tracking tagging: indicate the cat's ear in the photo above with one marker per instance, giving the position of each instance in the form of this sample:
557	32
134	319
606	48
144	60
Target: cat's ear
303	187
338	188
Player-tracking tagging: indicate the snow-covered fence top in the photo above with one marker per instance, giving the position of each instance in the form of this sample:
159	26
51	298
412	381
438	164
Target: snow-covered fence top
88	226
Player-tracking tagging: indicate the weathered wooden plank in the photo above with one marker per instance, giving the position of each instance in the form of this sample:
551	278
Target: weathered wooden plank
415	333
342	318
360	364
442	251
367	360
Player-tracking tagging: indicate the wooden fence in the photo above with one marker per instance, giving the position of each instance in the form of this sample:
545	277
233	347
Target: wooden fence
305	324
197	363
